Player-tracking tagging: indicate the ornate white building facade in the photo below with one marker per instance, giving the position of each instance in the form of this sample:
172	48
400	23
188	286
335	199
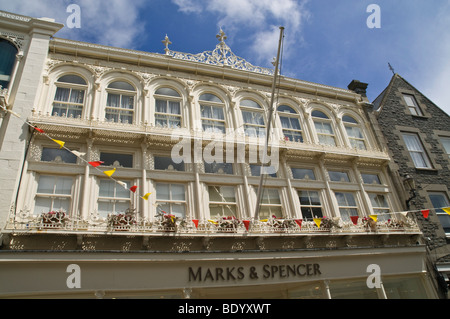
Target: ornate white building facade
98	180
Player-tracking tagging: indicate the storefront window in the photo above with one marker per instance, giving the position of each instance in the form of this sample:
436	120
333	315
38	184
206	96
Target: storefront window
404	288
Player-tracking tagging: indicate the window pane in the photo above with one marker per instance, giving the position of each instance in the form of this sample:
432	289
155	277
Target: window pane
371	179
219	168
72	78
268	170
42	205
46	184
178	192
319	114
162	191
446	142
349	119
338	176
113	159
164	163
52	154
286	109
167	91
303	173
106	188
210	98
63	185
250	103
120	85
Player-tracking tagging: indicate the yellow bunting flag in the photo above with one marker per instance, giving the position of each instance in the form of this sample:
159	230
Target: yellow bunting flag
146	196
447	210
374	217
264	220
60	143
318	221
109	173
213	222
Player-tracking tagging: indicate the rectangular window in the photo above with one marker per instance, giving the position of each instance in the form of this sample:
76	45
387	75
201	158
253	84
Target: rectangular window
168	113
213	119
371	179
166	163
291	129
303	173
58	155
446	143
113	198
416	150
270	204
171	198
325	133
53	193
68	102
219	168
114	159
311	204
412	104
267	170
254	124
440	200
336	176
380	205
355	137
347	205
119	108
222	201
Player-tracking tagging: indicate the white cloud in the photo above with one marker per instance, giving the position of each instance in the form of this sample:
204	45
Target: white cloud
260	19
109	22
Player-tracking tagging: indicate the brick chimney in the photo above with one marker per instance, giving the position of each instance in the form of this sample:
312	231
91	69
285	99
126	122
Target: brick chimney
358	87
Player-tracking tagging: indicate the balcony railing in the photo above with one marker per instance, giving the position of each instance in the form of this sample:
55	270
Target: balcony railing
168	224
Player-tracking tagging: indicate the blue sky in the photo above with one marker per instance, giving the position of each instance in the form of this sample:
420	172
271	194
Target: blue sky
326	41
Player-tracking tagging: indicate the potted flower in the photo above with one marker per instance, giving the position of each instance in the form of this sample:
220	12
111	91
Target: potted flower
54	219
168	222
227	224
369	224
122	221
281	225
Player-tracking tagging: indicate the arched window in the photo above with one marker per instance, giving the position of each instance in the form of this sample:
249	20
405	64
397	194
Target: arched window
168	108
8	54
290	124
69	96
354	132
120	102
324	128
253	116
212	112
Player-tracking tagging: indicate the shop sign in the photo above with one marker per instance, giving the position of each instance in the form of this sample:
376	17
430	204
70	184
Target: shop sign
264	272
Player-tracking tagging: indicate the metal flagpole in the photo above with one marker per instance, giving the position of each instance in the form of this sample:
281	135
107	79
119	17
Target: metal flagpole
260	192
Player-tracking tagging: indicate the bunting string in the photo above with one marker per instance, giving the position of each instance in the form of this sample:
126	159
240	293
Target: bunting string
133	189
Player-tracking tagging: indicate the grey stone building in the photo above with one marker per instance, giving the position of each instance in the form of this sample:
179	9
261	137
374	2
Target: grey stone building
418	137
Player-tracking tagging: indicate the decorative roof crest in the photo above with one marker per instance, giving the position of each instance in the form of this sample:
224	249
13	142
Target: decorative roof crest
220	56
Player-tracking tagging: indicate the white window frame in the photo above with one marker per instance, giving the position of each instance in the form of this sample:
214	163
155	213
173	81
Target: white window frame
356	142
260	129
54	196
290	131
228	208
414	108
421	151
114	199
347	208
120	111
310	206
218	125
170	202
324	137
67	105
166	116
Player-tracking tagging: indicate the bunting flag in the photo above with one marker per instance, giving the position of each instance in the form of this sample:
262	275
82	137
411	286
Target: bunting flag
133	189
78	154
39	130
425	213
318	221
246	224
146	196
124	185
195	221
60	143
374	217
354	219
299	222
96	163
447	210
213	222
264	220
110	173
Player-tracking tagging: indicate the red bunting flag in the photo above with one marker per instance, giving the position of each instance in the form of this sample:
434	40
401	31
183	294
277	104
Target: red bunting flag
39	130
195	221
354	219
425	213
299	222
96	163
246	223
133	189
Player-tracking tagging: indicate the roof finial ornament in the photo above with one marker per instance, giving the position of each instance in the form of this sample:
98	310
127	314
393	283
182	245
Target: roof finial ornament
391	68
166	42
221	36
